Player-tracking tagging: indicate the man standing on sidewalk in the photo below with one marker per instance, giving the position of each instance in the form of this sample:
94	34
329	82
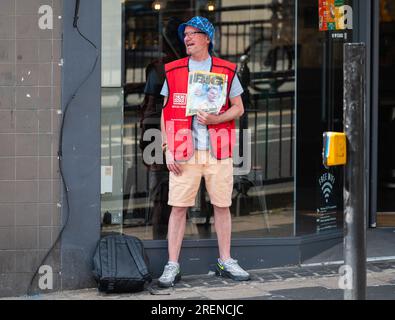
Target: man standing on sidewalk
199	146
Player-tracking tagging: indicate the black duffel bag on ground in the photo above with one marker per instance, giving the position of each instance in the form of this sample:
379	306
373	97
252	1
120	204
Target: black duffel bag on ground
120	264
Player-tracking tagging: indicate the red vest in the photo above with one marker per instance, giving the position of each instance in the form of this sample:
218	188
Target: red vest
179	126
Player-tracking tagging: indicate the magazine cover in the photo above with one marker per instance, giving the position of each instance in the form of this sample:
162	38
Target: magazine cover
206	92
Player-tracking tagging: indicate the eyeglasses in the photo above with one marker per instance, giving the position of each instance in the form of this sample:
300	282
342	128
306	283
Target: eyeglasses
191	34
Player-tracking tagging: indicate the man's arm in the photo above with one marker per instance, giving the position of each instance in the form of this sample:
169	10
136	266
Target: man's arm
162	124
171	164
234	112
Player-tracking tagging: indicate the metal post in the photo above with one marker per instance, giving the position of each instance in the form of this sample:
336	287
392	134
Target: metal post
354	182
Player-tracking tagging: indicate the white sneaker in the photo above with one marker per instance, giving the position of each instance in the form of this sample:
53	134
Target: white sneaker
170	276
231	269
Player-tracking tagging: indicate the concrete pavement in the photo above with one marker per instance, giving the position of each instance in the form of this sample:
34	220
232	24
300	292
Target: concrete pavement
314	282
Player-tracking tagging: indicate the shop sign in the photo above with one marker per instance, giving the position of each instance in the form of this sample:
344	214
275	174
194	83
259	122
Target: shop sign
334	15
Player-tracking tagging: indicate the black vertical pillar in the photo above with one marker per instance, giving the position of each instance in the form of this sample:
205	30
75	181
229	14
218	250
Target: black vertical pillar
354	195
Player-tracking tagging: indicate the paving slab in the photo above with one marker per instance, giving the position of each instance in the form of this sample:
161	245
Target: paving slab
288	283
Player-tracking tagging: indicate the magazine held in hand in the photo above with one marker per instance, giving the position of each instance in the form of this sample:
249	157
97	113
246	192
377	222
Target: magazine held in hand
206	92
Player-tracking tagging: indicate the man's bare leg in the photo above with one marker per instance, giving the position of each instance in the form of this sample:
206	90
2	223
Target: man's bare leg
223	227
176	232
229	267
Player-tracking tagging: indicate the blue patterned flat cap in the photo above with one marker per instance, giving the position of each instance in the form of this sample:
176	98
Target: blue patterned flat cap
200	23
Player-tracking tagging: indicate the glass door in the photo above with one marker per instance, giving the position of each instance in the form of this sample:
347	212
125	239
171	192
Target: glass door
386	116
322	29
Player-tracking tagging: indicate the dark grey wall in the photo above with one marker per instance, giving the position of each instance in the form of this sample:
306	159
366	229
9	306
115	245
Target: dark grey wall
313	245
81	143
373	78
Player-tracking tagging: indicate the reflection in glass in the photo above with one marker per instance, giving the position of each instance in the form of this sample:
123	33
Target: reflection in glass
112	165
259	37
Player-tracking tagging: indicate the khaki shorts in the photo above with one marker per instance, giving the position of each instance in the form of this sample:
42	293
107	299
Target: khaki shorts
218	176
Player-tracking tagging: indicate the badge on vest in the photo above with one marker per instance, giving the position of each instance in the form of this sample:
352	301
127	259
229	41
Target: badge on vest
179	99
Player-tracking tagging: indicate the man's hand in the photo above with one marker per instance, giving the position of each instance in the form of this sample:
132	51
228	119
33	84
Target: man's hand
172	165
235	111
207	118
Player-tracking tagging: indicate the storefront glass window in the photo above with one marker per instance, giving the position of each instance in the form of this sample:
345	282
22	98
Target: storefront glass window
259	37
322	29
